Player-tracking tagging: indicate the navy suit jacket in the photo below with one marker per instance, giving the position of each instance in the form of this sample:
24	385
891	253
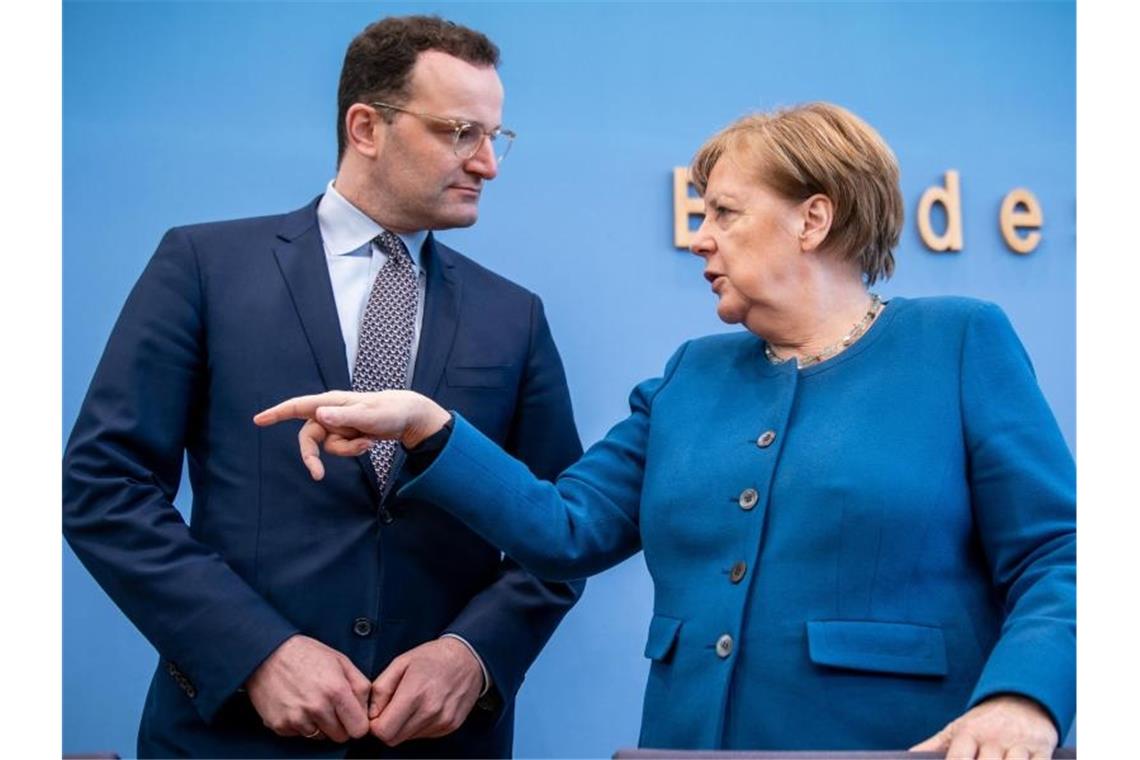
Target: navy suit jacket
227	319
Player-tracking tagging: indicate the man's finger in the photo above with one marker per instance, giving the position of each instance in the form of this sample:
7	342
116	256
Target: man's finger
390	724
350	712
1018	752
329	722
417	726
300	407
384	687
357	681
436	733
310	438
440	730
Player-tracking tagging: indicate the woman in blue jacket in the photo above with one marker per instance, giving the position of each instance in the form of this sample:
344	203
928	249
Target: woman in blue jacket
859	516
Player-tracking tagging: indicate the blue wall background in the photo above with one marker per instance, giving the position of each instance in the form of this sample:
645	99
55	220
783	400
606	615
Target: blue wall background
185	112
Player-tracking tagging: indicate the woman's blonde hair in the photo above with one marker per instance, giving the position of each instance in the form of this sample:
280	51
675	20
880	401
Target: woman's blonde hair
822	148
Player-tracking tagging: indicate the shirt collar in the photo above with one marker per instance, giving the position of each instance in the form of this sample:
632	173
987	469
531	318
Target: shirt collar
345	228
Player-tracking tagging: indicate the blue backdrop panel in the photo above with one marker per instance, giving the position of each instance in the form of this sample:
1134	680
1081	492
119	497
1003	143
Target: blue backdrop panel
185	112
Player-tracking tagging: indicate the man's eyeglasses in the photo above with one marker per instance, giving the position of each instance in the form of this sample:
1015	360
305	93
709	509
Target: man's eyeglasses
468	136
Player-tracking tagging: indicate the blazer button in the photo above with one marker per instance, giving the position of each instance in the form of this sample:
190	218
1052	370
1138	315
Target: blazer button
748	498
724	646
362	627
766	438
738	571
386	516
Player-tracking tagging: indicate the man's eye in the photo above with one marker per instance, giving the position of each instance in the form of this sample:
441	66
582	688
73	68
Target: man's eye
468	135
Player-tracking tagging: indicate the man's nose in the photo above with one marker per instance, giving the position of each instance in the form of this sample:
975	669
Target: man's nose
483	162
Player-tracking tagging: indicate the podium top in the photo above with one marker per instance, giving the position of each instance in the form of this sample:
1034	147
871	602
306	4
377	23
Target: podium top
1061	753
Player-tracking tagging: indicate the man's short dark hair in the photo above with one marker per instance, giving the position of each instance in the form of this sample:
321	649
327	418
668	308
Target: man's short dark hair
379	61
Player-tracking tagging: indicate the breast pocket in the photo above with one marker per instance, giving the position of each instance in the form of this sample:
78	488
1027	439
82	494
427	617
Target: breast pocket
480	377
902	648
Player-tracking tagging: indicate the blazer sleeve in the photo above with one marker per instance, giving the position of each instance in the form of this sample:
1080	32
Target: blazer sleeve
121	471
510	621
1023	492
583	524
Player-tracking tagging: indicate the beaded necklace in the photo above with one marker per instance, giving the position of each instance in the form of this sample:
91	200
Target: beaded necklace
853	335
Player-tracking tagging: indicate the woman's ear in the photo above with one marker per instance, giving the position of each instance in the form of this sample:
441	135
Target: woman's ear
818	212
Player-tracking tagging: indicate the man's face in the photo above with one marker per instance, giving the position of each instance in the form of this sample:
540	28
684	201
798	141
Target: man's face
421	180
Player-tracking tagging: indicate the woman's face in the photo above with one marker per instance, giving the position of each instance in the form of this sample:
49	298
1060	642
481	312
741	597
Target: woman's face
750	240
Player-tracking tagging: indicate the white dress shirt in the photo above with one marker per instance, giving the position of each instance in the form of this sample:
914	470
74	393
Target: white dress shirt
354	259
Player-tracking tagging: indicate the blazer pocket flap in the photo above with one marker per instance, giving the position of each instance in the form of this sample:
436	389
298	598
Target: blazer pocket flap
478	377
903	648
663	632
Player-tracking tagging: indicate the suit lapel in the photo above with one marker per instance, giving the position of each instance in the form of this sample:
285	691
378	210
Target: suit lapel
301	258
300	255
441	317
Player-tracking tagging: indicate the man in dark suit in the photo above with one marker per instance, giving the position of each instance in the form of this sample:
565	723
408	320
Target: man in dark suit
302	619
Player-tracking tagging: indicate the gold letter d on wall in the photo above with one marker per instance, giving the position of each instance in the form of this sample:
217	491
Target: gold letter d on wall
950	197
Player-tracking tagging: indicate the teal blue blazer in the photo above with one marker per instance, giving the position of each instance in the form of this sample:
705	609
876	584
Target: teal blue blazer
846	556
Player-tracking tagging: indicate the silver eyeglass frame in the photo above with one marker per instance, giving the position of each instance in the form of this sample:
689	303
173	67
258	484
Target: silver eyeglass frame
458	126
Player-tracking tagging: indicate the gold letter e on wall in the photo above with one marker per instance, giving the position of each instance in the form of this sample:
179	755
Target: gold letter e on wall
1020	209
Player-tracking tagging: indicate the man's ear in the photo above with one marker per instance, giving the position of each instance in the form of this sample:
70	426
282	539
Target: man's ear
818	212
361	127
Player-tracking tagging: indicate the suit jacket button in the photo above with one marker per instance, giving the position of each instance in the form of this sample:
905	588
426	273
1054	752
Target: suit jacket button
766	438
724	646
362	627
738	571
748	498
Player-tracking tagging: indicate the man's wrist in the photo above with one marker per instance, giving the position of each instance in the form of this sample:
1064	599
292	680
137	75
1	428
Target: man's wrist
478	659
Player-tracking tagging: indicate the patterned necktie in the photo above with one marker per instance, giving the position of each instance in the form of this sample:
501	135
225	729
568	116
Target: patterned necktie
386	334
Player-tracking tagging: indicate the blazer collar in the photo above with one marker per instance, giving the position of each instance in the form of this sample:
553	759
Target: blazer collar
301	259
441	316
